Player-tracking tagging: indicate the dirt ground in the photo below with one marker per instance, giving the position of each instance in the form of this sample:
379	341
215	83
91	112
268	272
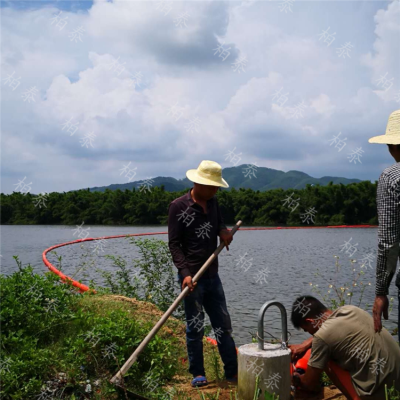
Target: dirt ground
327	393
225	390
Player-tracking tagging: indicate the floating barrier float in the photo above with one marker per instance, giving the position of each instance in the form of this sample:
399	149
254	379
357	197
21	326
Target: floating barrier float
83	288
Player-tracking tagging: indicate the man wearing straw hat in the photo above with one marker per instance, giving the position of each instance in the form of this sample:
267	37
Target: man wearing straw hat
388	206
194	223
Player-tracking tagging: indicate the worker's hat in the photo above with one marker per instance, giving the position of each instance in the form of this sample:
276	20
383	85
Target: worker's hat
207	173
392	135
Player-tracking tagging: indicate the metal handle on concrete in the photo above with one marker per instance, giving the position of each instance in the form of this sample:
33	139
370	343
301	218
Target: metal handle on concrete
263	309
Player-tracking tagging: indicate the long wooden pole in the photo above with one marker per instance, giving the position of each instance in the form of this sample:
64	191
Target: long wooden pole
117	377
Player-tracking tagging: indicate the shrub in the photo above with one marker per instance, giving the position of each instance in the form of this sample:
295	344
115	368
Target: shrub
53	339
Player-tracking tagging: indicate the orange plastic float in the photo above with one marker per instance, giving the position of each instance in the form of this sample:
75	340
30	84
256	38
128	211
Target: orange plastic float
343	376
84	288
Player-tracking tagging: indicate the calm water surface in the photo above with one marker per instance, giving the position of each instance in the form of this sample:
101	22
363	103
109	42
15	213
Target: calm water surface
290	259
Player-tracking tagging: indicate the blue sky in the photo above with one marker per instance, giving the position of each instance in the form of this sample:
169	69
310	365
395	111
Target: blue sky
89	87
71	6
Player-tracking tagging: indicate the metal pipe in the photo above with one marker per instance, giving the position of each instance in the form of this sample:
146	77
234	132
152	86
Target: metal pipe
263	309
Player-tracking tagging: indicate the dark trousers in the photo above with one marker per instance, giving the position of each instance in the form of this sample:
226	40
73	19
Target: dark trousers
209	295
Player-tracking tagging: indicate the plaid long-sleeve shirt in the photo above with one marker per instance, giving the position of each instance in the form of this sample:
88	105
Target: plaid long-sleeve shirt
388	205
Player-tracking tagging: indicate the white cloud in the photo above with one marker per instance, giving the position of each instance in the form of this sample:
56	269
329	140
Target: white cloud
323	105
385	61
178	66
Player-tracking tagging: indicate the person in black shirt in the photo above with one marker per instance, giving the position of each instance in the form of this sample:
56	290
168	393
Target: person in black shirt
194	223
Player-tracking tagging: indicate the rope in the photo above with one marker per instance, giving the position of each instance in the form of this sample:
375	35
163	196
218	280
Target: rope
278	340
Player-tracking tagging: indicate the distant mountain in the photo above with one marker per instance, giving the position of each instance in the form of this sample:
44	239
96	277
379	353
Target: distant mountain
170	185
264	179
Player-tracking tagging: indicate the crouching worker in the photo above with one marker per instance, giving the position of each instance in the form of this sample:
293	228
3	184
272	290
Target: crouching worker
359	361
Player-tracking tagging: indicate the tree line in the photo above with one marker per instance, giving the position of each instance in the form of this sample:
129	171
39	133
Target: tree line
314	205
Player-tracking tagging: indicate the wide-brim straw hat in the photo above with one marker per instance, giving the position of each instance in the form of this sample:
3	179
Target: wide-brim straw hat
207	173
392	135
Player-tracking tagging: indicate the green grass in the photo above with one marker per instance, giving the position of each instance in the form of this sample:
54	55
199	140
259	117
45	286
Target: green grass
85	337
48	328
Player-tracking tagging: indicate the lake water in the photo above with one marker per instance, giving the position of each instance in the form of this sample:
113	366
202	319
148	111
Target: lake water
290	258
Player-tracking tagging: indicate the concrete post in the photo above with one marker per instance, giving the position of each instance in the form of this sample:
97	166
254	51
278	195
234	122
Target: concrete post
271	364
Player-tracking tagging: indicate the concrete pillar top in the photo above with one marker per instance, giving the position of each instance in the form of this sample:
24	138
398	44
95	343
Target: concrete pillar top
271	350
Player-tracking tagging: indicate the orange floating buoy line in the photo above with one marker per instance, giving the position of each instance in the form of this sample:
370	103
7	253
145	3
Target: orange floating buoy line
83	288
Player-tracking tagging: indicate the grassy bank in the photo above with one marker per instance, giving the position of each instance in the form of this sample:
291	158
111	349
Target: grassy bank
54	340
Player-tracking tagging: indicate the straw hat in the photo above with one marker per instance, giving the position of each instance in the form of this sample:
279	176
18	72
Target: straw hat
207	173
392	135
